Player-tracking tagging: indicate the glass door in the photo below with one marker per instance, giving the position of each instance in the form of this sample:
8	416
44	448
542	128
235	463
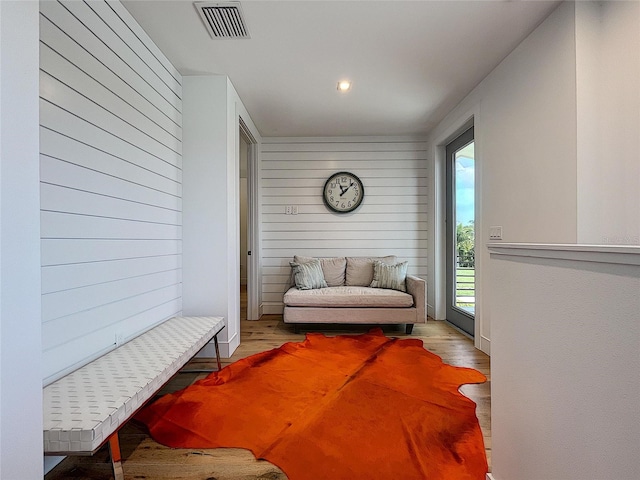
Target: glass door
461	278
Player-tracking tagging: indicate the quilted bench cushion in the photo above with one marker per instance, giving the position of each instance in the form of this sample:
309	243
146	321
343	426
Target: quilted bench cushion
347	296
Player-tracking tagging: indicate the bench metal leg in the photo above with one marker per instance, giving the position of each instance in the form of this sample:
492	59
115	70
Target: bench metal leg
116	457
215	342
208	370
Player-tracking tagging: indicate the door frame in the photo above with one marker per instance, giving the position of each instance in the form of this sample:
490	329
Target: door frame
456	316
456	123
253	262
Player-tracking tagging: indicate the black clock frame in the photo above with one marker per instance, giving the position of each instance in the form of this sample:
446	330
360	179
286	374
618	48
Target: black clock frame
328	203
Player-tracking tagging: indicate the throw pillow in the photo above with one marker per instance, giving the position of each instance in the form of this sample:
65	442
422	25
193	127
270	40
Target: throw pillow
390	276
308	275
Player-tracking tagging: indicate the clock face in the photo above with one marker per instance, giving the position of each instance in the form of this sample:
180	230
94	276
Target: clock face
343	192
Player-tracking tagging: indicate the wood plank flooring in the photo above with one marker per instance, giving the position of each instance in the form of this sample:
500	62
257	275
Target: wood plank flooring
146	459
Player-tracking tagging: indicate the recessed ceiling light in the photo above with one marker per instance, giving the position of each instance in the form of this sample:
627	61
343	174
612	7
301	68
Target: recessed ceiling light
344	85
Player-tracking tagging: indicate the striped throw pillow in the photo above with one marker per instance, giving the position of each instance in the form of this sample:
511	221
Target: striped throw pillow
308	275
390	276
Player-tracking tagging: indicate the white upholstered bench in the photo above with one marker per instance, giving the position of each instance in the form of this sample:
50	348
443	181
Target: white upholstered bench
86	408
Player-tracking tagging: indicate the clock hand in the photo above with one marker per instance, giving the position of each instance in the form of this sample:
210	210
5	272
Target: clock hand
345	190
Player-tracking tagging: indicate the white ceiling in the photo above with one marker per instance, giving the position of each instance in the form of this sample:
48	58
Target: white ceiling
410	62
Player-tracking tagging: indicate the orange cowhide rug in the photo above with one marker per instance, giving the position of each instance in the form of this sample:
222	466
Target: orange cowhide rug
346	407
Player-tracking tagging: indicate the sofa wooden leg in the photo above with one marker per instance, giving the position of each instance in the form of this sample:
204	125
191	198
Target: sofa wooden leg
408	328
296	328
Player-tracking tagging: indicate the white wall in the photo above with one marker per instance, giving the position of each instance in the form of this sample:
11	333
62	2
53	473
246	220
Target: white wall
111	128
392	218
211	208
525	131
557	127
20	325
205	197
608	114
564	364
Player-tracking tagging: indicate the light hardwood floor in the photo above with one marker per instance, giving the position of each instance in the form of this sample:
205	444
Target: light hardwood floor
146	459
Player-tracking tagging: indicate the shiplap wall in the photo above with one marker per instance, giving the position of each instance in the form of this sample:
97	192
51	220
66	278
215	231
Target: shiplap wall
110	142
392	219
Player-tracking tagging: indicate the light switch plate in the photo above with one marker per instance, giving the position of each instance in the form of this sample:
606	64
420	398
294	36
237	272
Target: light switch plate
495	233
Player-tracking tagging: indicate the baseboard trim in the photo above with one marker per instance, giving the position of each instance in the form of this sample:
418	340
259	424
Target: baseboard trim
226	348
485	345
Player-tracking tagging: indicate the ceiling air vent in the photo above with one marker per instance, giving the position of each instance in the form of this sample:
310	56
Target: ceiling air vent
223	20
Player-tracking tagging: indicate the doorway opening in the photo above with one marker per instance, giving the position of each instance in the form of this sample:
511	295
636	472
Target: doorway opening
460	243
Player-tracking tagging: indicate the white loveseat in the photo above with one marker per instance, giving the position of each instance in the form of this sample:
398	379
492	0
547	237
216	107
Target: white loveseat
353	295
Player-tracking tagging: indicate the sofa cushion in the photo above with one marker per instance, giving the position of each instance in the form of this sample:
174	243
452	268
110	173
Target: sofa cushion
308	275
347	296
333	268
360	269
390	276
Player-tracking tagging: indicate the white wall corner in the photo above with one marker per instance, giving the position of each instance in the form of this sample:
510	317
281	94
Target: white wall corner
211	218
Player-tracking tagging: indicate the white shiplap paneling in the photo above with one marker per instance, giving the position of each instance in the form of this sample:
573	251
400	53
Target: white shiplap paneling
111	181
392	219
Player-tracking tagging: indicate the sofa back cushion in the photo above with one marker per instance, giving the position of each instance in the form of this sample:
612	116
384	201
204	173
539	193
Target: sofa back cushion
333	268
360	269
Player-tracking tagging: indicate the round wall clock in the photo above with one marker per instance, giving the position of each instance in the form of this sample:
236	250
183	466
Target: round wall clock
343	192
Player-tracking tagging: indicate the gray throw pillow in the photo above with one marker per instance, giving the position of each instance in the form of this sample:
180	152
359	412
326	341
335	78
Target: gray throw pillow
308	275
390	276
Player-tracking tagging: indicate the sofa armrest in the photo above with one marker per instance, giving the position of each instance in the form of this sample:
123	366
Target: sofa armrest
417	288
